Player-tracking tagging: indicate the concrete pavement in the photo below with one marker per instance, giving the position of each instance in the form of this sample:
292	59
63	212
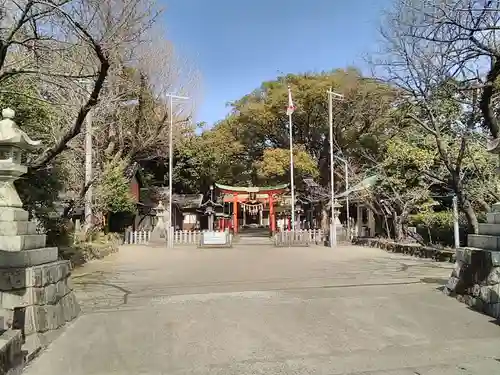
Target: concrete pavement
262	310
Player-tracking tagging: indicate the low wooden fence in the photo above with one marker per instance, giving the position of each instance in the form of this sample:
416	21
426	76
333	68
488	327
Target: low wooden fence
301	237
181	237
415	249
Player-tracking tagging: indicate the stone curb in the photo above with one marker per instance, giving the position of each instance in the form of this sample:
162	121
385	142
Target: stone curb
440	255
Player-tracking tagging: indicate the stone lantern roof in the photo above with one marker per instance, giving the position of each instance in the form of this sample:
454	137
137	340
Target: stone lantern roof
10	134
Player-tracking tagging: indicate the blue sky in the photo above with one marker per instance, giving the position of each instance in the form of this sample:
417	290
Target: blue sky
238	44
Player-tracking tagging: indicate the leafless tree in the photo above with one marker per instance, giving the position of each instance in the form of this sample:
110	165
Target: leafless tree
466	32
140	131
132	119
442	56
67	47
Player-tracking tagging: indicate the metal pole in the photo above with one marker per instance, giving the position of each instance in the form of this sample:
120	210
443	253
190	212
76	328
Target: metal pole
88	171
170	172
292	184
170	242
455	222
212	214
333	226
347	201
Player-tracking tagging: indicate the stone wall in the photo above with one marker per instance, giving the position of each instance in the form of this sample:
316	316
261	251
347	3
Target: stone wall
475	280
36	300
11	356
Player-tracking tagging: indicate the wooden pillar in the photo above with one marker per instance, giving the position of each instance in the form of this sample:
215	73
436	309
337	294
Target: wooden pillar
359	220
371	223
235	213
272	221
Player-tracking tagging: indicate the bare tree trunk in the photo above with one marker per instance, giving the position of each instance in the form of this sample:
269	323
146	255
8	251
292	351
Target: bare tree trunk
471	216
484	204
398	227
387	227
325	225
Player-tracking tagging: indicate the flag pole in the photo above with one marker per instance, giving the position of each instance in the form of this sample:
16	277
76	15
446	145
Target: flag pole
292	183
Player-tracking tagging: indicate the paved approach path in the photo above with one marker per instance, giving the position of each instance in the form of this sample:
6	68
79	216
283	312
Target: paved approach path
271	311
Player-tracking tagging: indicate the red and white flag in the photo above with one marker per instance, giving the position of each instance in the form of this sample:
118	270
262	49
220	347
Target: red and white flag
291	108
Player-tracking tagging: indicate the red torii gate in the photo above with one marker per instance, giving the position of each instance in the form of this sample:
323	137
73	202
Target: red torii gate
265	194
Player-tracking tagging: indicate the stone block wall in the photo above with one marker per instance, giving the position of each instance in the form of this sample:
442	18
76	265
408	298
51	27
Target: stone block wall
37	299
475	280
11	356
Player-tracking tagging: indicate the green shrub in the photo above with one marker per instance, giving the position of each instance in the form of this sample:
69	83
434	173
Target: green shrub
113	191
82	250
437	227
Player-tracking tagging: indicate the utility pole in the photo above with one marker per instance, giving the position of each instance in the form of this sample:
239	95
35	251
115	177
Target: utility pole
87	213
456	230
88	171
333	224
292	183
170	229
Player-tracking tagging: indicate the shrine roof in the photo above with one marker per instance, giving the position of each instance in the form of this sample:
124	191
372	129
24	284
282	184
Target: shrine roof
253	189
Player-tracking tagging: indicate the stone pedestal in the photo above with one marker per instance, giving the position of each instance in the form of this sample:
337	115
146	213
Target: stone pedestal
36	295
475	279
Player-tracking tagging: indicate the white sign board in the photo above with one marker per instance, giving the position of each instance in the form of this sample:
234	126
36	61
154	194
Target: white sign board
214	238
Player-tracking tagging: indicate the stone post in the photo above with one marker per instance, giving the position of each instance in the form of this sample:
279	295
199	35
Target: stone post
36	291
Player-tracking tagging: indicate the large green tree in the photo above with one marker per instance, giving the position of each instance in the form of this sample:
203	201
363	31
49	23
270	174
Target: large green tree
260	123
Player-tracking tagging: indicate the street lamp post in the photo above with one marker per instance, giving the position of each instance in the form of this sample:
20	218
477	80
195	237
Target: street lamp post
333	224
170	241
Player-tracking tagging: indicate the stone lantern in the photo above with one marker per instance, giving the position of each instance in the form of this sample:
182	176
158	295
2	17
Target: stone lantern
161	214
159	234
335	224
13	141
33	279
336	211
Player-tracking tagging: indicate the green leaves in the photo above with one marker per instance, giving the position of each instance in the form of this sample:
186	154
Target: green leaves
274	167
113	191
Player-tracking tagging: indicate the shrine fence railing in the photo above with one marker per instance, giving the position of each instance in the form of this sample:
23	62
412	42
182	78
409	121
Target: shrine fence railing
181	237
299	237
